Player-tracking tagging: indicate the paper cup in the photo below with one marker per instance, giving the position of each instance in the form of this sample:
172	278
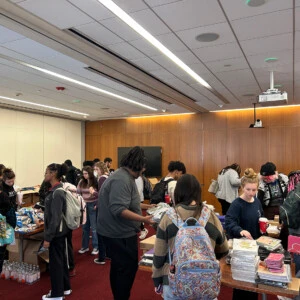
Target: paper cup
263	225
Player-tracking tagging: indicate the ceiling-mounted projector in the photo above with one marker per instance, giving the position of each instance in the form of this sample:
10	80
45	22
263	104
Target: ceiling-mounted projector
272	96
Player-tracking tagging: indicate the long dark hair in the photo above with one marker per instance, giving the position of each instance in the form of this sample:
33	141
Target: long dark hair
234	166
91	181
59	169
188	189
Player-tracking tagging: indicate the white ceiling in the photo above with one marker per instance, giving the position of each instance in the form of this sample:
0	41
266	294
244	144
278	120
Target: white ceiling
38	32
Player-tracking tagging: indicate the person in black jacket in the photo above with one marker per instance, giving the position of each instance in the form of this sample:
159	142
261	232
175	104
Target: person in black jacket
8	181
7	211
55	233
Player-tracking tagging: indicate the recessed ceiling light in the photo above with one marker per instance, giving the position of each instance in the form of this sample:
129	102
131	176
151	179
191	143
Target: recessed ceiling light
277	85
228	65
76	101
207	37
105	108
271	59
255	3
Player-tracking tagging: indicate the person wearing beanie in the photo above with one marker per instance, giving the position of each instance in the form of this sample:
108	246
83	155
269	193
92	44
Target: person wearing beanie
272	192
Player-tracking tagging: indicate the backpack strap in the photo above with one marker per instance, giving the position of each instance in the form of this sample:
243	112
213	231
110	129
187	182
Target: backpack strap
204	217
176	219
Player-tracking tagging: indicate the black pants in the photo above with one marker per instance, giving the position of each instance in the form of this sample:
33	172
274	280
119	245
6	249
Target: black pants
2	256
71	262
225	206
59	273
124	264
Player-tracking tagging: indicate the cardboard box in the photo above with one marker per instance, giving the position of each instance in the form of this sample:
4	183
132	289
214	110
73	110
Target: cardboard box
30	249
148	243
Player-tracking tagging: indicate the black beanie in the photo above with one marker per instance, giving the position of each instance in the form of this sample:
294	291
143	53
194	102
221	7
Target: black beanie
268	169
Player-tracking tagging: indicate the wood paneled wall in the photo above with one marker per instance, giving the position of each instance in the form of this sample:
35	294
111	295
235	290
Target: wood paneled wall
205	142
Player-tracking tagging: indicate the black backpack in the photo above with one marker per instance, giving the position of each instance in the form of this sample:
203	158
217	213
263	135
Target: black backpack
77	176
160	190
289	211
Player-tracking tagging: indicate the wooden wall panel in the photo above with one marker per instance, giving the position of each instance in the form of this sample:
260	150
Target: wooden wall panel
205	142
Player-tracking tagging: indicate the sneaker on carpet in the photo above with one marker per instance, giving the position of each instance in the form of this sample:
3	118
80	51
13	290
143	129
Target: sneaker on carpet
83	250
99	262
67	292
72	272
95	251
143	233
48	296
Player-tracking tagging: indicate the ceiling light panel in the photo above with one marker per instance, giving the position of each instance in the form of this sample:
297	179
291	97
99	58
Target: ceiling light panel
134	25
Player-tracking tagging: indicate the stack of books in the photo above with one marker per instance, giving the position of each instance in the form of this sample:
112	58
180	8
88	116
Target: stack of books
244	260
274	262
274	279
147	258
269	243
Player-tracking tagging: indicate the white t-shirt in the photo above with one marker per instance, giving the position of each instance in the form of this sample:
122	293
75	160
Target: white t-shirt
171	187
140	186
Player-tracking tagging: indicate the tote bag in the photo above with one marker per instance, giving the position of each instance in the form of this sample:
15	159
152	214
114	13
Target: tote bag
214	186
7	233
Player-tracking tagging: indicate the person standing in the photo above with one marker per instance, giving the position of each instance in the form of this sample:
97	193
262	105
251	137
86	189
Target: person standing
242	219
55	233
187	204
119	219
229	183
272	191
88	189
8	181
7	211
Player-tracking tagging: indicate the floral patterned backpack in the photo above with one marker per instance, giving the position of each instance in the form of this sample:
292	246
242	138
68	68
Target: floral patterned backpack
194	270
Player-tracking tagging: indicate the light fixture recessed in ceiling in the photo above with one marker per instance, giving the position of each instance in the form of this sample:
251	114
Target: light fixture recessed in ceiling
207	37
227	65
277	86
76	101
271	59
255	3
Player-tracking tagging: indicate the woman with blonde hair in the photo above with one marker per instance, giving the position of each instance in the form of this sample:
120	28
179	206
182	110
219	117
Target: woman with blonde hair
242	219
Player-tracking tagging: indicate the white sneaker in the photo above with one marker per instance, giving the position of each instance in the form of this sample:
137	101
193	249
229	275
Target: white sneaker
143	233
48	296
66	293
83	250
95	251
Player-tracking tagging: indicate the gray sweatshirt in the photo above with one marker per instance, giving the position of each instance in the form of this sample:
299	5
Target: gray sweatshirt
118	192
229	183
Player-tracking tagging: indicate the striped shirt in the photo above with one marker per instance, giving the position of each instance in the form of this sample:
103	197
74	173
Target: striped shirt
165	238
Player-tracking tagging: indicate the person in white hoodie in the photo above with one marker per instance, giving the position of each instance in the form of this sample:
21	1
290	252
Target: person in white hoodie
229	182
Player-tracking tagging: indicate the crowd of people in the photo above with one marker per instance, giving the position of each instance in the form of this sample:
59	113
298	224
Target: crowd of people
113	215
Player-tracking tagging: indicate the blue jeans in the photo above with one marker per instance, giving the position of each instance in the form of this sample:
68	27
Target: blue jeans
90	224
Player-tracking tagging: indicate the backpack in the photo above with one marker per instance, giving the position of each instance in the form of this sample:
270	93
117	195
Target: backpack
74	210
77	176
147	191
289	211
194	270
159	191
